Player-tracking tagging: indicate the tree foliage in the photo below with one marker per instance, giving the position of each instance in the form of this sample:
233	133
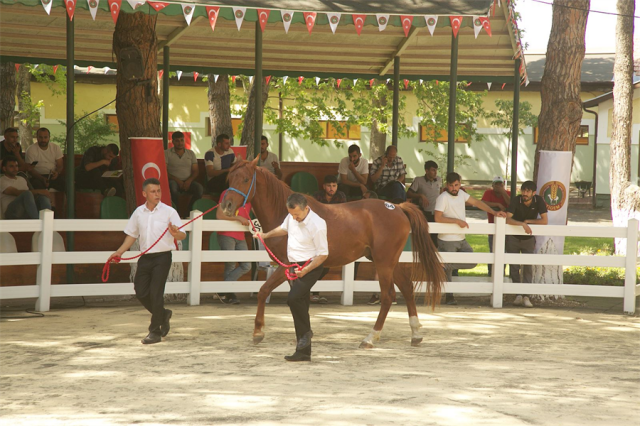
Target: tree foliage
90	131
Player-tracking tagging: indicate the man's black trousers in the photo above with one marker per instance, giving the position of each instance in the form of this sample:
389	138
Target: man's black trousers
298	302
149	283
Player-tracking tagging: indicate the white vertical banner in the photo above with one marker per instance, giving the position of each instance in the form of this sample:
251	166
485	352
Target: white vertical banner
554	176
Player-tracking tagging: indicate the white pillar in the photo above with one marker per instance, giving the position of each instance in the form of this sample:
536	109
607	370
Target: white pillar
630	267
195	266
498	263
45	247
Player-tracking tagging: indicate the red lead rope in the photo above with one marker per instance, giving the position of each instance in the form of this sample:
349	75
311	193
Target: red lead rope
291	276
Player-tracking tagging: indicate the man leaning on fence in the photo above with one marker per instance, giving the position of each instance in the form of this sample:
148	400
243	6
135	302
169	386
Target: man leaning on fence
527	209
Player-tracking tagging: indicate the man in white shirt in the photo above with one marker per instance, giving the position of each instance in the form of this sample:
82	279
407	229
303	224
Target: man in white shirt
147	224
307	242
46	159
268	159
450	208
354	172
218	161
16	200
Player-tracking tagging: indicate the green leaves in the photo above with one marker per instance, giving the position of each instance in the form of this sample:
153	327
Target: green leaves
90	131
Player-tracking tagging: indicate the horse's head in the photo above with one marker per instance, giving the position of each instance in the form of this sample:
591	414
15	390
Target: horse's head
242	186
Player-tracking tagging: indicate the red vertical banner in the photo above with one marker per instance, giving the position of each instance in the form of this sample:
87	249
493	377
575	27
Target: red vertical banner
147	156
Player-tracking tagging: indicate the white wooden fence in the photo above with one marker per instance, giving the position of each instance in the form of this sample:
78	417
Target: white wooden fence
496	286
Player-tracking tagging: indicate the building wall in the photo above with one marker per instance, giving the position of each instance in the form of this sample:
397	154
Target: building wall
189	111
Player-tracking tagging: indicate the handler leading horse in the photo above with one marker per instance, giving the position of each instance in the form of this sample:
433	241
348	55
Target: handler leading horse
370	228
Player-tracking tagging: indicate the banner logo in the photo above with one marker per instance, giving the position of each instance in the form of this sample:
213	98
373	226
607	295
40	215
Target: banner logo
554	195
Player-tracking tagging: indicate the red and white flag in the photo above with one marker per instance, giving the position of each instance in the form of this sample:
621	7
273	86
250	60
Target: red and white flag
309	20
287	17
480	22
263	15
187	10
212	13
239	13
383	20
178	74
358	21
338	81
406	24
135	3
114	9
406	84
93	7
158	5
432	21
456	22
160	74
300	80
70	5
195	75
334	20
147	156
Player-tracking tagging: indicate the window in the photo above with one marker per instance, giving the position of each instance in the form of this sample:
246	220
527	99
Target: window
330	131
427	134
582	139
113	120
235	123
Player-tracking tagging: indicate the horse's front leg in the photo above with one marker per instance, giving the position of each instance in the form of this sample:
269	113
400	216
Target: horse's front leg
272	282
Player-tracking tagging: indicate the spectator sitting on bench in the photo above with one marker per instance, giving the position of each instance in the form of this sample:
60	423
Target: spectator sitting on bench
46	159
218	160
95	162
16	200
182	168
354	172
268	159
388	175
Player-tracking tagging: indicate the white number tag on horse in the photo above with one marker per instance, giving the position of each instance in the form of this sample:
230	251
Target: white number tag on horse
256	227
390	206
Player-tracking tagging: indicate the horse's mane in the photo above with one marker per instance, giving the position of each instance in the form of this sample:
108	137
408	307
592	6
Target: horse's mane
277	192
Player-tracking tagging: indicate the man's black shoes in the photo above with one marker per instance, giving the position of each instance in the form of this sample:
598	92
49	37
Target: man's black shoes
166	325
305	341
297	357
152	337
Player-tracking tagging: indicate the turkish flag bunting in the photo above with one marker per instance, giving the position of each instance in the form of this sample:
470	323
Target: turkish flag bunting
406	84
17	67
212	13
309	19
371	82
486	24
358	21
158	5
55	69
263	14
233	78
456	21
406	24
160	74
71	8
300	80
195	75
339	81
114	9
267	79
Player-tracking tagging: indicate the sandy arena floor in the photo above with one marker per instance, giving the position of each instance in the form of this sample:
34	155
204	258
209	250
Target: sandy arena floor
476	366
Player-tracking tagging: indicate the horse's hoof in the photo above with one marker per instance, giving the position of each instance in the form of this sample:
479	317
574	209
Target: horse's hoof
416	341
257	338
366	345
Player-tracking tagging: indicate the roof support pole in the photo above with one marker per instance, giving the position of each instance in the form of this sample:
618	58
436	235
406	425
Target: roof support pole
453	85
595	157
396	101
258	81
514	126
70	154
165	96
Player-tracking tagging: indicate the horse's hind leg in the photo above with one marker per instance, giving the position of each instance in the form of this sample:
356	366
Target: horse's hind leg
402	278
386	296
272	282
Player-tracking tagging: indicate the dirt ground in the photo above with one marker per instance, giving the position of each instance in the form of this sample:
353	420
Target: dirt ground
570	365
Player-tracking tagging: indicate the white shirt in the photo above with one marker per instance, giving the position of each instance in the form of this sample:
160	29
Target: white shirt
46	158
307	239
271	157
147	226
18	183
362	168
452	207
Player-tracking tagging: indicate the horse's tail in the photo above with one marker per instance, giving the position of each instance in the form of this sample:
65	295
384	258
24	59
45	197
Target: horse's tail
427	265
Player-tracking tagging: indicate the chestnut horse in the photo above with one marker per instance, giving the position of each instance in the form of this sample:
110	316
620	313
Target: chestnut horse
371	228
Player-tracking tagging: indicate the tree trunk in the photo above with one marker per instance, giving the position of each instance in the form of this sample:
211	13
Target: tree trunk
378	142
625	197
219	107
561	110
248	128
25	129
7	94
137	103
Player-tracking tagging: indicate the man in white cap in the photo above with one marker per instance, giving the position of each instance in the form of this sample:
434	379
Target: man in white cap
498	199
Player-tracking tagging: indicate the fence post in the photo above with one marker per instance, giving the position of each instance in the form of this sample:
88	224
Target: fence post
630	267
195	266
45	247
347	284
498	263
